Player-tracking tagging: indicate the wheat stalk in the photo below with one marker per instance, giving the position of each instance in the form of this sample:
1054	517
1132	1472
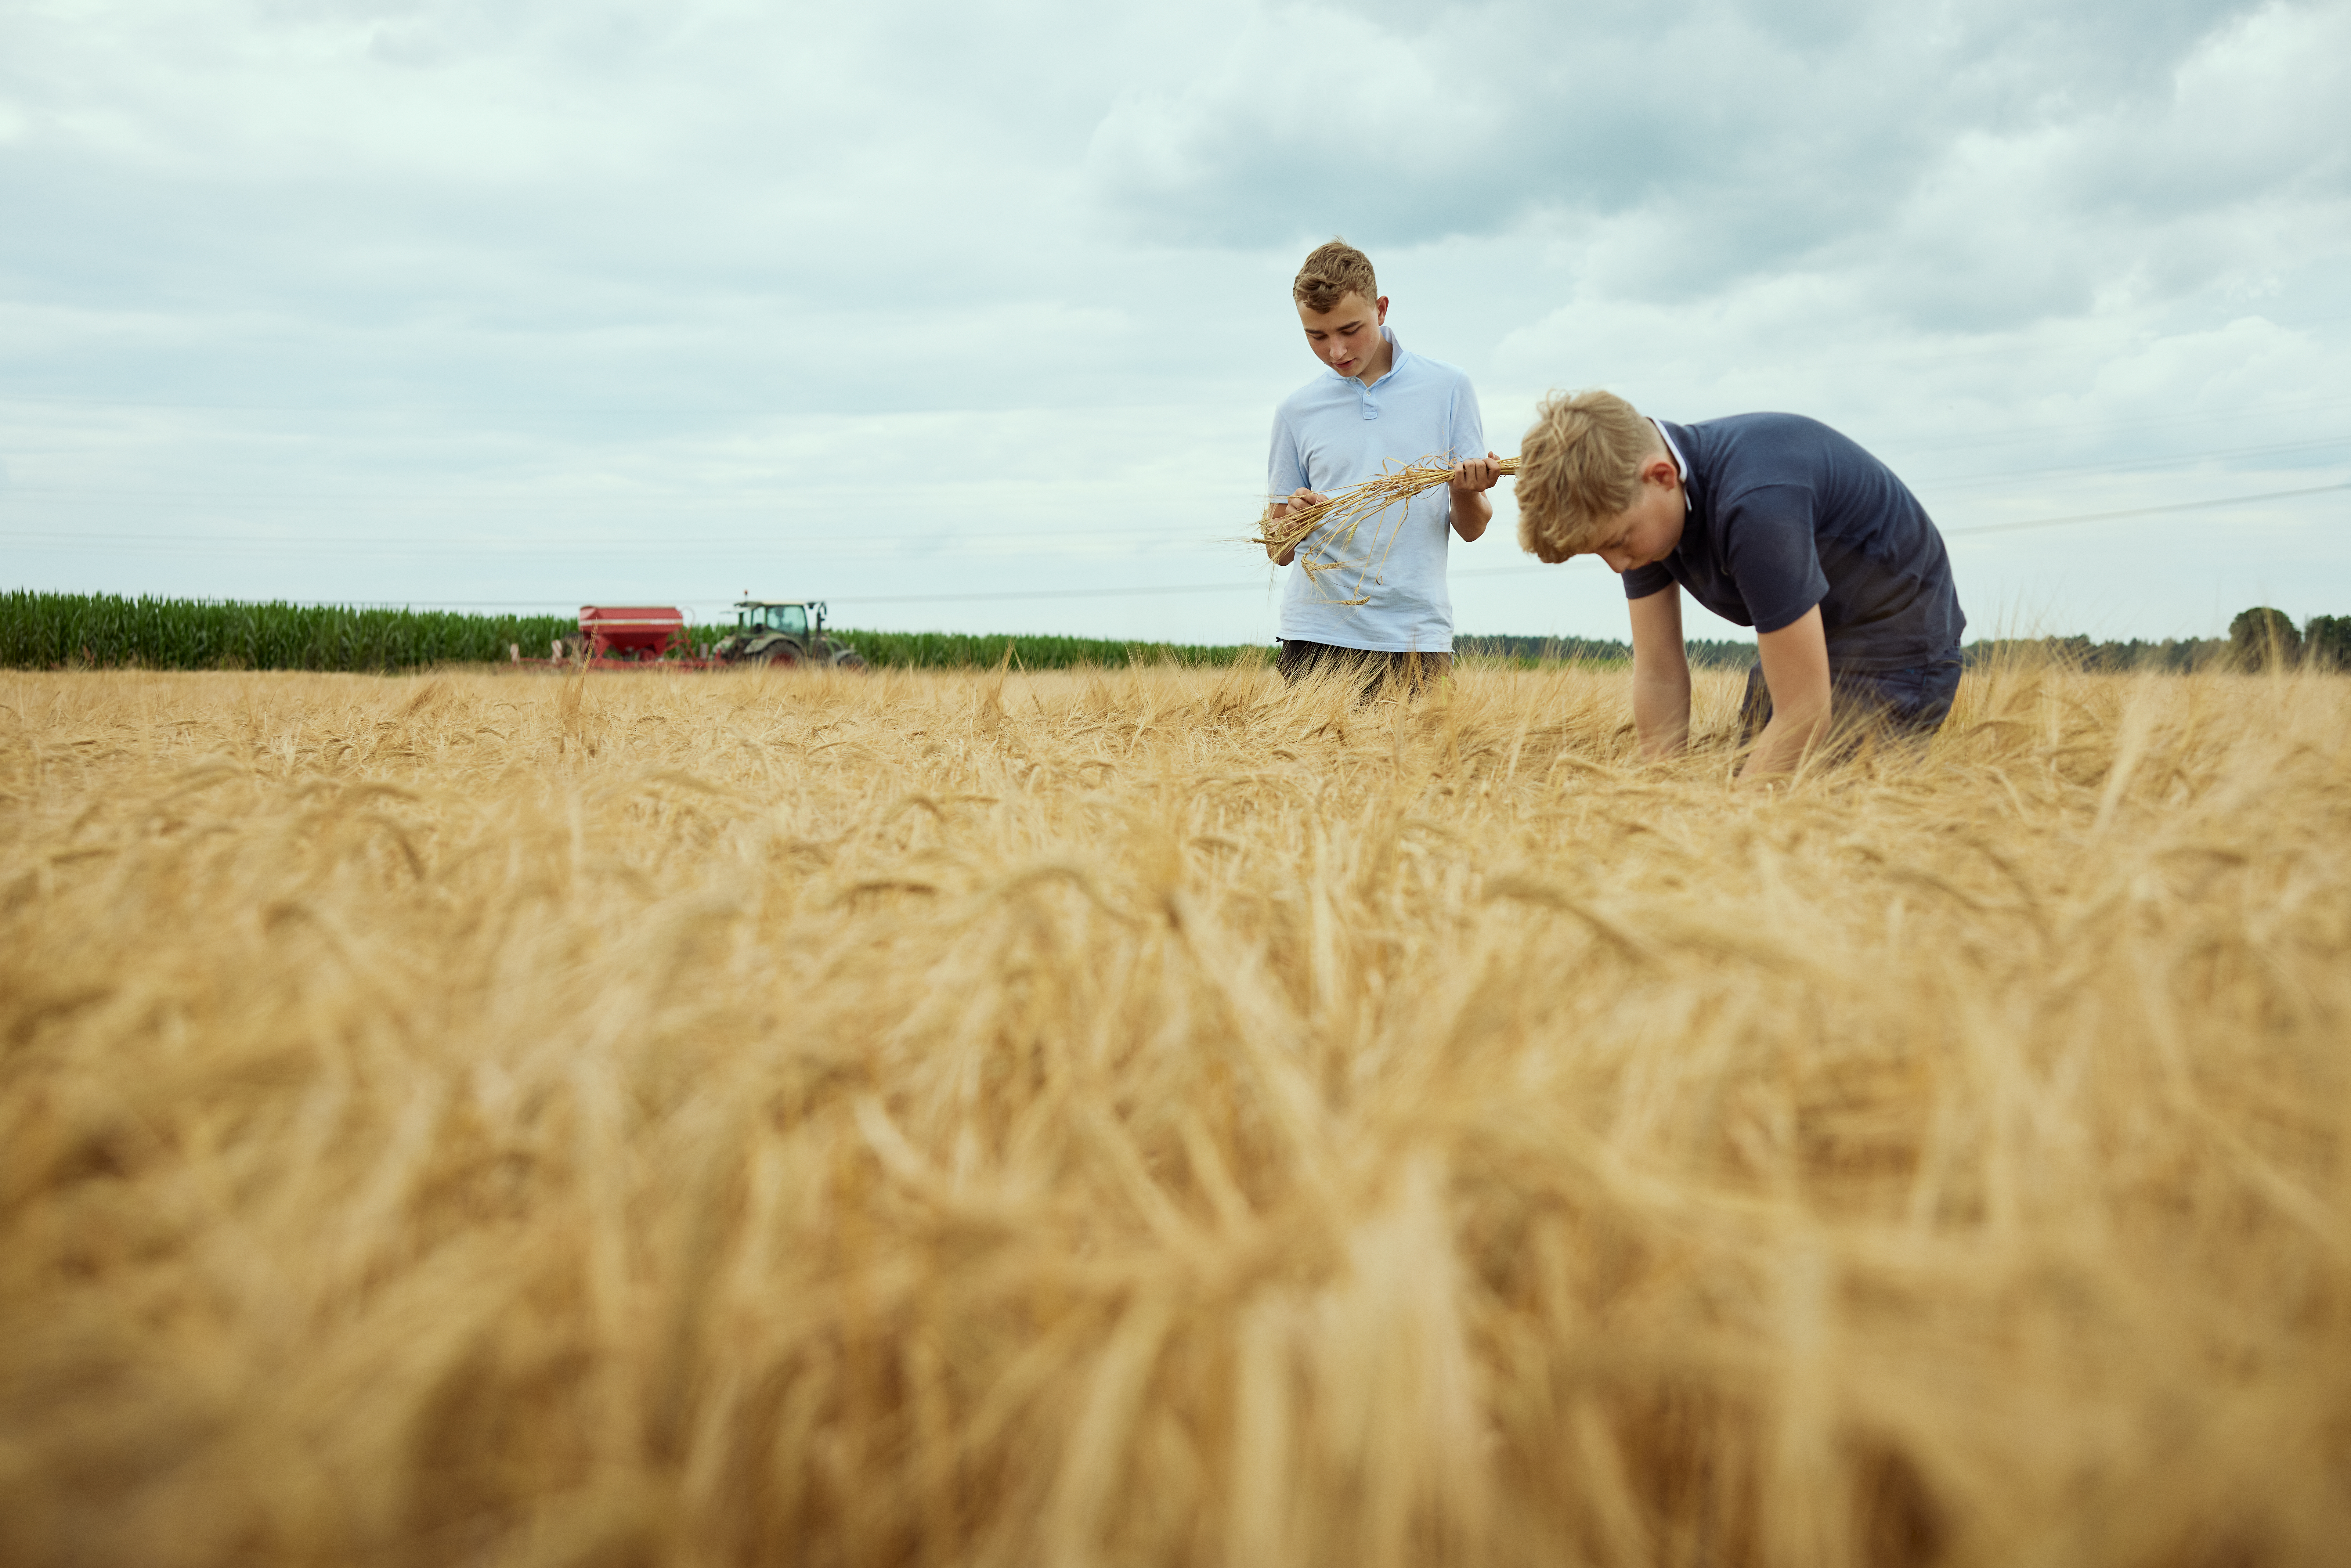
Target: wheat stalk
1351	508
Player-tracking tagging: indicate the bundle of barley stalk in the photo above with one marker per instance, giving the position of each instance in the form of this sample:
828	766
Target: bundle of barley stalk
1351	508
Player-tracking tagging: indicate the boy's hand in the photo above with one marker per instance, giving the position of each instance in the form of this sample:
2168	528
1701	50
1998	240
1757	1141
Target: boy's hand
1472	475
1301	497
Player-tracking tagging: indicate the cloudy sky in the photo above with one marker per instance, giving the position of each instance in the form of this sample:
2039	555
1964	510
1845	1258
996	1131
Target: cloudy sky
974	315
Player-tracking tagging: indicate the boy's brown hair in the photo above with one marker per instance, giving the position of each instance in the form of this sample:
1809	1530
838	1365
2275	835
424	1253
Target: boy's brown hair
1331	272
1579	465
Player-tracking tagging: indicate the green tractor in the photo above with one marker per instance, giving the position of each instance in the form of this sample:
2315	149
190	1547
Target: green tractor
783	631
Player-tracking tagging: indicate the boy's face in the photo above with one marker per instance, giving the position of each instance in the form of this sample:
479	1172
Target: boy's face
1647	530
1347	336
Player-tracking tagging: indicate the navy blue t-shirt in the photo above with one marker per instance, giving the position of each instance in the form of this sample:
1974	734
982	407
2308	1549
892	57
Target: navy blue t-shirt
1784	514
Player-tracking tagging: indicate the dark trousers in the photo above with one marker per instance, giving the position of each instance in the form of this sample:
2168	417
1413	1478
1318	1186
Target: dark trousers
1911	702
1373	669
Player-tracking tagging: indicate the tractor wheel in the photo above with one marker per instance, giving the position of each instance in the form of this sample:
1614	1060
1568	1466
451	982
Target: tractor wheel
783	656
849	659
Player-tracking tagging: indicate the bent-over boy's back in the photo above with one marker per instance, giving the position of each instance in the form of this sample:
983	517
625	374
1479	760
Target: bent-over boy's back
1785	513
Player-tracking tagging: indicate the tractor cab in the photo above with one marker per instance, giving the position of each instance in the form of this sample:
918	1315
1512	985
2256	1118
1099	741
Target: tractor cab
793	619
783	631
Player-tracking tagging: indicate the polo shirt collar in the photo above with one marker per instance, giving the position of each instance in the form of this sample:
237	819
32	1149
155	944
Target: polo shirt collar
1681	464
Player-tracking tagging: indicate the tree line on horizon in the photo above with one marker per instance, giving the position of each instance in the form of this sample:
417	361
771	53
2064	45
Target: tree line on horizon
2261	638
54	630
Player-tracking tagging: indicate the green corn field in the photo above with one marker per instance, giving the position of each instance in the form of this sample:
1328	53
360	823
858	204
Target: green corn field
49	631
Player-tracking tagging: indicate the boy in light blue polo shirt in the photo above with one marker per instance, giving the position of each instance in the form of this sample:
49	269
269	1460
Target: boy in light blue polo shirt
1376	602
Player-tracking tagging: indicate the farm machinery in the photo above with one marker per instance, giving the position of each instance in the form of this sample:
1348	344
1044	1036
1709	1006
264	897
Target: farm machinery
768	631
784	631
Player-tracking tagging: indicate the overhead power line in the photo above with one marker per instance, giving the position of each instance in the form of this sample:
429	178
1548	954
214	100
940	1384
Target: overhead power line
2145	511
2146	465
1526	570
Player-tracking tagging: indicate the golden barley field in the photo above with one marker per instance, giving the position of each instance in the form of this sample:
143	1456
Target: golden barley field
1157	1117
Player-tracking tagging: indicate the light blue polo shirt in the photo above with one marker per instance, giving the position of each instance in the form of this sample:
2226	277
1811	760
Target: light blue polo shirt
1335	431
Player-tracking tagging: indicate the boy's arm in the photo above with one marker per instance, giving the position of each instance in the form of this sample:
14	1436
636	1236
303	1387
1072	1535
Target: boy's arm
1465	431
1285	473
1796	670
1661	677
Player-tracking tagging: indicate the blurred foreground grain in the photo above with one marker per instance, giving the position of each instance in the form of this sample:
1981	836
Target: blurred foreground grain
1157	1117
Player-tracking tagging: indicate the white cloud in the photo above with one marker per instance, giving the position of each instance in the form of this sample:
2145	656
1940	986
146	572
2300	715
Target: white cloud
1014	279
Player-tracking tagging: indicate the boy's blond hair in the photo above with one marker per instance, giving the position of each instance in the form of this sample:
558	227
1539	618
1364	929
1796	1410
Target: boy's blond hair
1579	465
1331	272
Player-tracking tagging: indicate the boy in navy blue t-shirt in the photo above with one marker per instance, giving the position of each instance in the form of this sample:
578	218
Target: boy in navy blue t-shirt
1769	520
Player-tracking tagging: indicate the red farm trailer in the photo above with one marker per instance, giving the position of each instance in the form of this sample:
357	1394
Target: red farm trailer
635	635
